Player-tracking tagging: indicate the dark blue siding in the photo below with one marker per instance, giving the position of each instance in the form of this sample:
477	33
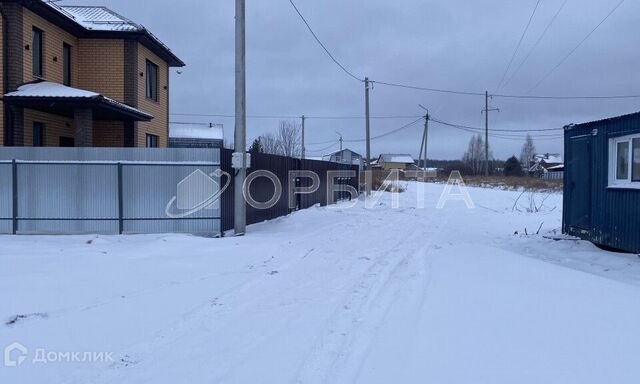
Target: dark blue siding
614	213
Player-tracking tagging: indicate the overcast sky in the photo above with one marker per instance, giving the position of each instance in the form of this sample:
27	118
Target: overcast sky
453	44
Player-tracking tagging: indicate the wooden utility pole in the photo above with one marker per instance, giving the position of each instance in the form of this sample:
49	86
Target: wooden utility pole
425	138
303	150
240	137
368	136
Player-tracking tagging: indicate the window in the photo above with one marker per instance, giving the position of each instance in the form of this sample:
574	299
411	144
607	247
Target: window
36	52
152	141
152	81
67	141
38	134
66	64
624	163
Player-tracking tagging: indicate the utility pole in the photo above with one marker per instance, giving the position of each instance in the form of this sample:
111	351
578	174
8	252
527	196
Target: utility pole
303	150
240	139
340	134
425	138
368	136
486	111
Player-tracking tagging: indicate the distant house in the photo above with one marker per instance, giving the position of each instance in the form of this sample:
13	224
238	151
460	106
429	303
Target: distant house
196	136
345	156
81	76
602	182
546	163
390	161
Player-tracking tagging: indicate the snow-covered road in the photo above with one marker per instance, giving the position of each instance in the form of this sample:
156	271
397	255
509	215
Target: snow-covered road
330	295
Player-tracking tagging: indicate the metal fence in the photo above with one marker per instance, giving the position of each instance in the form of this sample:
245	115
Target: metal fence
262	189
105	190
145	190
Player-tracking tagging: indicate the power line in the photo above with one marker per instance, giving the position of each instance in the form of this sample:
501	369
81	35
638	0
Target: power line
515	52
295	117
387	133
493	129
542	35
466	93
322	45
532	97
576	47
333	143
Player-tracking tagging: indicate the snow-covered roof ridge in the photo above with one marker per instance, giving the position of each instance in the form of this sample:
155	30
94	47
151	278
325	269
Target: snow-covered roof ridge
47	89
397	158
196	131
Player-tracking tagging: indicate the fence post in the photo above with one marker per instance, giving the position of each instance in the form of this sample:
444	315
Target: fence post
120	219
14	196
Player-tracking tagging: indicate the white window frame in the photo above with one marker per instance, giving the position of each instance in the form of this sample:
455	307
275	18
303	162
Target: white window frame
613	163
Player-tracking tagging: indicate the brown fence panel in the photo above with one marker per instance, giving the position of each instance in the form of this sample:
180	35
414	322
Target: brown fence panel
262	189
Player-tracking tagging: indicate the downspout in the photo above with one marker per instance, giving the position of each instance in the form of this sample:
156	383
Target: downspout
8	132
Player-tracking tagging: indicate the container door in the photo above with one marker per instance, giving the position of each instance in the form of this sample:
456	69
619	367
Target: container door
578	169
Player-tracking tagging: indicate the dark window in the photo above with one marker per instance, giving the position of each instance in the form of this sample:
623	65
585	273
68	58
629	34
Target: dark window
152	81
38	134
67	141
36	52
635	164
152	141
66	64
622	163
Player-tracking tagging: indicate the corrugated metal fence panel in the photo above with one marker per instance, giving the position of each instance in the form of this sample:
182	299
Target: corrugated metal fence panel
65	191
156	197
76	190
210	155
262	189
6	197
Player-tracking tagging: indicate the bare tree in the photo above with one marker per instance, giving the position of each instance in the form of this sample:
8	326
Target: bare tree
286	141
269	144
474	156
528	151
289	138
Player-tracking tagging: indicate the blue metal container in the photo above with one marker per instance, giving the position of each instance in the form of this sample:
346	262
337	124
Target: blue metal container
599	204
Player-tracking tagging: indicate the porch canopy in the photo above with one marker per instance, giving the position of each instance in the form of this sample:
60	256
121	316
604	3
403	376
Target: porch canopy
61	100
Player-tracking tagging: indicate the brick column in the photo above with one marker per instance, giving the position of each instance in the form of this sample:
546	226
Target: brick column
83	127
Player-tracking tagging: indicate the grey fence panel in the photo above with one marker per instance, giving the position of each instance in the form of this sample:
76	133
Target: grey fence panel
210	155
6	197
110	190
170	198
67	198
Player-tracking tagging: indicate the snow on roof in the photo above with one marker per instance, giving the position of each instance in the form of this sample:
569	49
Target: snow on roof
397	158
548	157
100	18
556	167
49	89
196	131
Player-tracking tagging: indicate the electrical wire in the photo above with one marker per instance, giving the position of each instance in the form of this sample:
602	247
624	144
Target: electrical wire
295	117
466	93
431	118
542	35
515	52
322	45
575	48
386	133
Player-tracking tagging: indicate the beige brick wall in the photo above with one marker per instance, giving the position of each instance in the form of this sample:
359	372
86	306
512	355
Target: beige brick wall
54	127
108	133
53	40
159	125
101	66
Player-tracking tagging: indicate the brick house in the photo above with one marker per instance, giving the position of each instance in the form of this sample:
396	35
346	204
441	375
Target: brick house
81	76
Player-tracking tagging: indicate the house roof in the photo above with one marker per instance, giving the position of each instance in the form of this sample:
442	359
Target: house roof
43	95
100	22
343	150
605	120
396	158
196	131
554	158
